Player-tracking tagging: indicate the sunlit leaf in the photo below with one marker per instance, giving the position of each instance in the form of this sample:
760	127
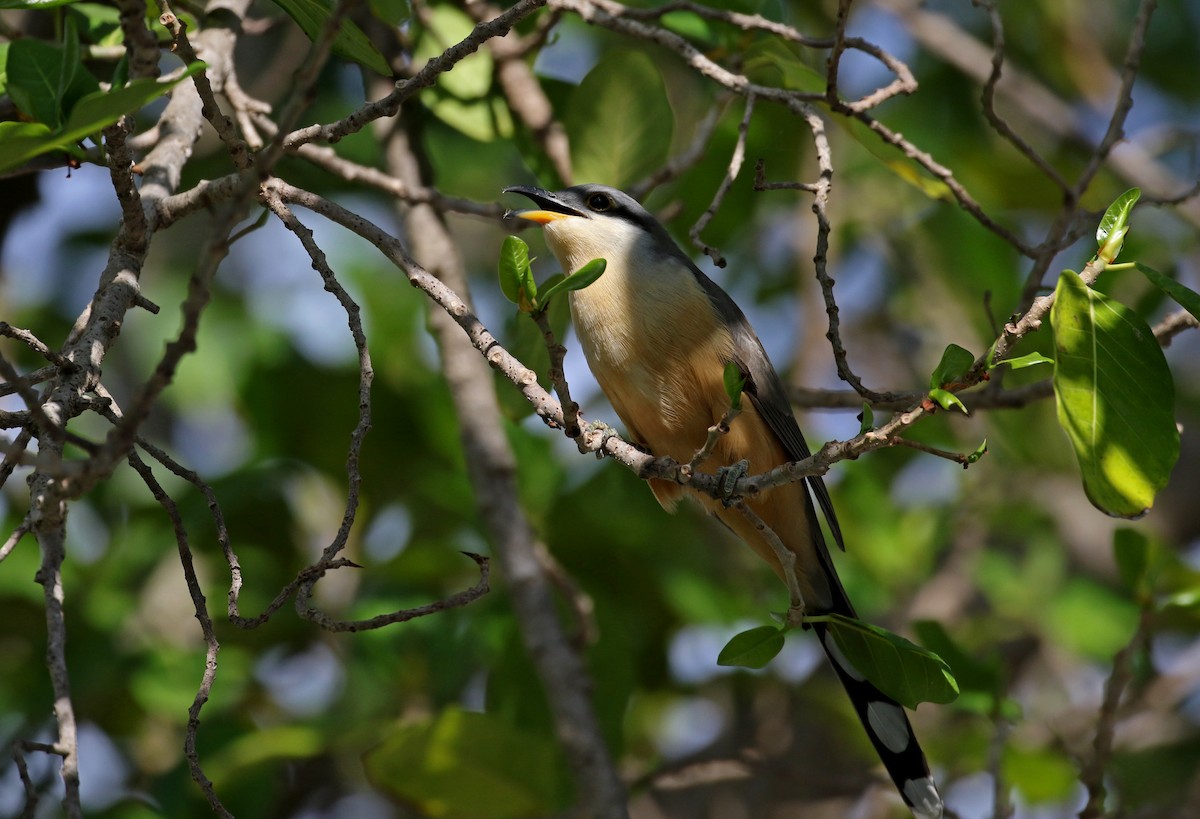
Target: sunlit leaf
1115	398
898	667
619	120
753	648
953	365
445	25
514	258
947	399
578	280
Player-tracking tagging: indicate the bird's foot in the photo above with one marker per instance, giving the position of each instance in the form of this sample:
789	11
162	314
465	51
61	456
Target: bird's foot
727	478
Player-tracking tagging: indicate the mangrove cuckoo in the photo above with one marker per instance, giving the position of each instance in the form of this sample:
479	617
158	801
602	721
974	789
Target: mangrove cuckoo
657	334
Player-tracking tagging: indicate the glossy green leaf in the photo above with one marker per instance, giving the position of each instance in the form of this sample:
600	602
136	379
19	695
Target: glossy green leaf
514	258
1187	298
954	365
979	452
735	382
443	26
1021	362
898	667
462	765
947	399
1115	398
578	280
350	43
753	648
1116	217
866	419
619	120
484	120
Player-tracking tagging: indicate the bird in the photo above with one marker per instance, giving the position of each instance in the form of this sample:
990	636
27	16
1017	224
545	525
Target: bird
657	334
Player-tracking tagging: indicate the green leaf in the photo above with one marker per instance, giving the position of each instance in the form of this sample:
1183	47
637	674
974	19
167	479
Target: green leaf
946	399
1187	298
578	280
514	258
445	25
1030	360
898	667
1116	218
979	452
866	419
484	120
92	113
350	42
753	648
33	71
972	675
953	366
619	120
1115	398
462	765
688	24
735	382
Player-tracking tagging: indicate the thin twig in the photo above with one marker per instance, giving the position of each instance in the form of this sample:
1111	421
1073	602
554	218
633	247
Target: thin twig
731	172
15	537
787	561
558	376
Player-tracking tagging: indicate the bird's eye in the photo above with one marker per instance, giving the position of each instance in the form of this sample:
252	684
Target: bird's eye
599	202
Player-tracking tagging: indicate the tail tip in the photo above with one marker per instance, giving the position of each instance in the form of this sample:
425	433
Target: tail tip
923	798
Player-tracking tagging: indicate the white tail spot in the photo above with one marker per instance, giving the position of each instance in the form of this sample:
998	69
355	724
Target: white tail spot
889	724
838	657
923	797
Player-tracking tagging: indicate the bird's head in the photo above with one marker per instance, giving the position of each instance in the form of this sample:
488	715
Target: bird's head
588	222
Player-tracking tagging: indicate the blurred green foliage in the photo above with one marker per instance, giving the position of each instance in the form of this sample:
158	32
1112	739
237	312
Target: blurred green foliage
1015	568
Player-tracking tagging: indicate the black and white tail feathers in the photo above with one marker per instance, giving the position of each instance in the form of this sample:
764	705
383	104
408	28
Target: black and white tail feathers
888	728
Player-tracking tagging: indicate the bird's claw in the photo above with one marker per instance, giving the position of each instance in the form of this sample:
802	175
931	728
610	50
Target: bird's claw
727	478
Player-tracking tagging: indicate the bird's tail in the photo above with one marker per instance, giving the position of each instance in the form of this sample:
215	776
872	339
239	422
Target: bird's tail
890	731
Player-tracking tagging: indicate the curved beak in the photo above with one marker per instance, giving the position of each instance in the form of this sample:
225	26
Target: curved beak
550	208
